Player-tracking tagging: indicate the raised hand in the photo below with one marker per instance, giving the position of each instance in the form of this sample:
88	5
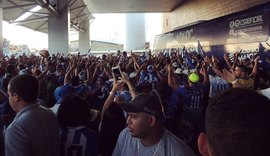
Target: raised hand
207	60
229	75
257	58
226	58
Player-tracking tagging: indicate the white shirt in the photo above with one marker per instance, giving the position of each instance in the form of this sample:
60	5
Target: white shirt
266	92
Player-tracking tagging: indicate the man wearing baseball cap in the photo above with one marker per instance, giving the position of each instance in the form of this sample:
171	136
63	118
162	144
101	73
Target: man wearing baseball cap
145	135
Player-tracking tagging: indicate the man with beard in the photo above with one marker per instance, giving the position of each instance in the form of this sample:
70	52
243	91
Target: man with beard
145	135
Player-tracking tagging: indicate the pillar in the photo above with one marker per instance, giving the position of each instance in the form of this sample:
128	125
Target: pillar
58	32
1	31
84	39
135	32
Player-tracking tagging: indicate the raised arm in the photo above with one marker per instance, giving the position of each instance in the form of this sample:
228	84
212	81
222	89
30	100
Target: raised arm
135	61
158	73
107	70
172	82
44	73
255	67
110	98
227	60
129	65
67	76
212	65
131	87
235	60
140	69
205	74
88	68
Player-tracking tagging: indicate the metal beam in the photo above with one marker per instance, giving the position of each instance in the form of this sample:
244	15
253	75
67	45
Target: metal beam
41	29
79	16
37	28
39	13
86	18
92	20
16	5
25	10
29	20
78	7
19	6
72	3
77	28
48	6
79	13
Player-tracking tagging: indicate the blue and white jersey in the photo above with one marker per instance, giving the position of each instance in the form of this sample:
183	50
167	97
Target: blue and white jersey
143	74
189	100
143	58
193	98
151	77
148	77
192	103
217	84
78	141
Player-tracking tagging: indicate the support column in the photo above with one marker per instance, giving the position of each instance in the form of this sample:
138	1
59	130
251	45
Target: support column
1	31
84	39
58	32
135	32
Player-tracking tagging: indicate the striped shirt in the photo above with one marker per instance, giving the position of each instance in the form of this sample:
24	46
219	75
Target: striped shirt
78	141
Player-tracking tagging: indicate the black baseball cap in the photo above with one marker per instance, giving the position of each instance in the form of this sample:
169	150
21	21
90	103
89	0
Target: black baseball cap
145	102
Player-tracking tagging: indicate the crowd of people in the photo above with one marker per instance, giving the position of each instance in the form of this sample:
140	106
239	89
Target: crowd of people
140	104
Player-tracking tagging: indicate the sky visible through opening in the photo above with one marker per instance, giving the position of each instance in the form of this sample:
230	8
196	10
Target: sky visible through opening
106	27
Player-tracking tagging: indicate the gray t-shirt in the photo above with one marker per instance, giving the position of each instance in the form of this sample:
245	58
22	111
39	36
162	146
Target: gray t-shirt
169	145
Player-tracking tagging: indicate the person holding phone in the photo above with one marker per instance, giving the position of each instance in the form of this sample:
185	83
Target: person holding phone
116	72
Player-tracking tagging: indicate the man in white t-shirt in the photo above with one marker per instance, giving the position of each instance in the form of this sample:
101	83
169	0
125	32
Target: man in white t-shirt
145	135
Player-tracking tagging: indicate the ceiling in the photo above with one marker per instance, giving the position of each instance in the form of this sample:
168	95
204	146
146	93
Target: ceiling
80	10
38	19
131	6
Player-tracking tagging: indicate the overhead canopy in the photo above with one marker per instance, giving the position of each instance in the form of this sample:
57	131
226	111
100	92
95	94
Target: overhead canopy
33	14
37	18
132	6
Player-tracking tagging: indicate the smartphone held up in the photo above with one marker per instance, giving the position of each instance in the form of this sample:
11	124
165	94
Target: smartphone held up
116	73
